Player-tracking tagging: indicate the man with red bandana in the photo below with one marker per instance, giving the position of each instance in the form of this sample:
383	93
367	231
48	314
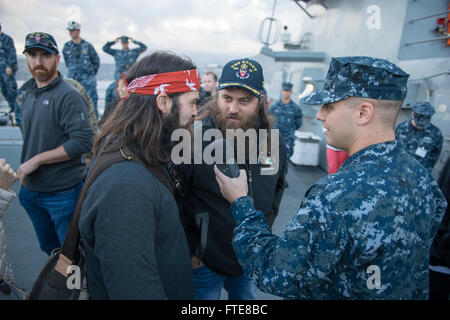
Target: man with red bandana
130	225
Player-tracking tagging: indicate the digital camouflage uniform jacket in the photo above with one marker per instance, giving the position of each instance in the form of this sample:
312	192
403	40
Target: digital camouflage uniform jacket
430	139
124	58
381	208
288	118
81	59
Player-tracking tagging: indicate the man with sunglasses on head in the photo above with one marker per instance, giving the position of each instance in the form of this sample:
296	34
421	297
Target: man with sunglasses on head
57	132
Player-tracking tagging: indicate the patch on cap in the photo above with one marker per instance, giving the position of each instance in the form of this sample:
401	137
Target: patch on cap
41	40
245	73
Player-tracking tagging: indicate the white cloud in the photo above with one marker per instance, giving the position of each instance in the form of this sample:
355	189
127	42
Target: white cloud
192	27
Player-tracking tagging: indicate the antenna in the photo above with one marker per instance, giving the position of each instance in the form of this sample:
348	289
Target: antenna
270	21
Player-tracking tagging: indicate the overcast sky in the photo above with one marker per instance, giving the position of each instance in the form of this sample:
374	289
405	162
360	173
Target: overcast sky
209	31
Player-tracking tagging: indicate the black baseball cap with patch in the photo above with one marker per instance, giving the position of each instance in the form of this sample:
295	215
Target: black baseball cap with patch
243	73
41	40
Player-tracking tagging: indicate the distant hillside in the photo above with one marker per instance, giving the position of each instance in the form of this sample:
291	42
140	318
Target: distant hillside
106	71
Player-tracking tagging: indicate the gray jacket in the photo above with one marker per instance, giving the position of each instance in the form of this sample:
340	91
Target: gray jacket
132	237
52	116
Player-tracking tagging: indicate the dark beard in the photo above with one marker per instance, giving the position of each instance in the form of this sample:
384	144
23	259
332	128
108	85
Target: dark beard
171	122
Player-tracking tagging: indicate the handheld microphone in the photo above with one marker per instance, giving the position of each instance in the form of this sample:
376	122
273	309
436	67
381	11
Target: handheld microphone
229	166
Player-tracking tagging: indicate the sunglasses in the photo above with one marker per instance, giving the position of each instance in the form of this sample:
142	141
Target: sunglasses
31	41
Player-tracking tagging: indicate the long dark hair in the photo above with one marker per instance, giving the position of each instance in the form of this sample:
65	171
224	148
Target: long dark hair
136	122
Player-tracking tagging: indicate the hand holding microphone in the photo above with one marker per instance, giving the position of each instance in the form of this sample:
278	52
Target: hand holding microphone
231	180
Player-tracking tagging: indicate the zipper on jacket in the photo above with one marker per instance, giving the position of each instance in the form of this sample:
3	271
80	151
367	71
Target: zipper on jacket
249	180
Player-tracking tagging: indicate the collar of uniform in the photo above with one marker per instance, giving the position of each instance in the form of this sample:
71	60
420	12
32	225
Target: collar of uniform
371	152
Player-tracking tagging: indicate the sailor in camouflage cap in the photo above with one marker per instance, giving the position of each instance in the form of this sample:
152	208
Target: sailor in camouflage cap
424	108
364	77
421	139
288	116
82	62
361	233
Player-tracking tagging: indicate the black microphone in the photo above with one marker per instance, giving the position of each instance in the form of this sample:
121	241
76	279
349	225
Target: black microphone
229	166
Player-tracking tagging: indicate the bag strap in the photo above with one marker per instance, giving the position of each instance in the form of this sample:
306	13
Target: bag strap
71	241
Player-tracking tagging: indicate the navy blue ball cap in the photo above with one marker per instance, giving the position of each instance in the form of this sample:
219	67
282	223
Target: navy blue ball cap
363	77
123	39
243	73
41	40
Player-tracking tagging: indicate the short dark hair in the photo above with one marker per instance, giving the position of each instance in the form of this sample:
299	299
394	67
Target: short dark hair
136	122
212	74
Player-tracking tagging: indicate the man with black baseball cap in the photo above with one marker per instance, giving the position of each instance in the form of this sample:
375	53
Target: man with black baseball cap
207	215
57	132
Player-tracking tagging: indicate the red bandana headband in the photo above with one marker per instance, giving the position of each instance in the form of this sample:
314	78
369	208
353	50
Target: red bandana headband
169	82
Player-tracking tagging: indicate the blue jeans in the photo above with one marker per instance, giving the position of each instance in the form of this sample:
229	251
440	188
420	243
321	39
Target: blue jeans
50	214
208	285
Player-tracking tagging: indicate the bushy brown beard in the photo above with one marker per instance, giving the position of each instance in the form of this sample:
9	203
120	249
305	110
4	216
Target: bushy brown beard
221	119
42	74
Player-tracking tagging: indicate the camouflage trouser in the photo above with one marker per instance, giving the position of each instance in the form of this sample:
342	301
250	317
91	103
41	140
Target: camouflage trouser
90	84
8	86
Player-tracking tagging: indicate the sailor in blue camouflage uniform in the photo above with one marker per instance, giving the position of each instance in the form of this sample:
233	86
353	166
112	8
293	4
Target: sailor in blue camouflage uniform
124	59
8	67
421	138
364	232
82	61
288	117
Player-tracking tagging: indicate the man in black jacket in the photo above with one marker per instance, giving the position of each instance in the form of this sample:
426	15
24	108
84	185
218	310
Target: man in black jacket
207	215
57	132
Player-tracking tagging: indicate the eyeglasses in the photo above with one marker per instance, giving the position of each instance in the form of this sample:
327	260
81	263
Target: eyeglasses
43	40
